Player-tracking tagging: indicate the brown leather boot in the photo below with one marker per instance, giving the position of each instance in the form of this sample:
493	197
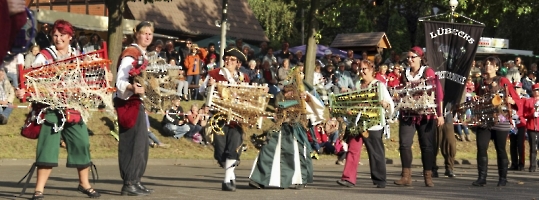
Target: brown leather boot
406	179
427	174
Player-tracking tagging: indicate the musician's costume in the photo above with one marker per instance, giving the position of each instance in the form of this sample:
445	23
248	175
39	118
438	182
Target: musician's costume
285	161
373	142
425	125
48	120
133	146
531	113
228	147
497	132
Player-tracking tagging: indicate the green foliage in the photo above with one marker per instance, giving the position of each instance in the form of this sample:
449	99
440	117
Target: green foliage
278	18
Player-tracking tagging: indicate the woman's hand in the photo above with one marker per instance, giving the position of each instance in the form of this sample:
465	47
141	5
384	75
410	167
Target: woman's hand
441	121
20	93
137	88
15	6
510	100
385	104
475	98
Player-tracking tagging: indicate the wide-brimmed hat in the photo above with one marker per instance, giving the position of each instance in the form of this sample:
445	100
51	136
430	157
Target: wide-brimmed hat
233	51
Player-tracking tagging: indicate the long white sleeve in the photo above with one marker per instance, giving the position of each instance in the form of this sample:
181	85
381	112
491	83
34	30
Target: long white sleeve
122	80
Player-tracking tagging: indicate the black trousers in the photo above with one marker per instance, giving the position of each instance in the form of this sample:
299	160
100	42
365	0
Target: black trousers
133	150
483	137
532	142
228	146
516	147
377	156
425	130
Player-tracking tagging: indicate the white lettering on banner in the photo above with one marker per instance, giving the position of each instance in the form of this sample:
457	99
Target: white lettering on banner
451	76
447	31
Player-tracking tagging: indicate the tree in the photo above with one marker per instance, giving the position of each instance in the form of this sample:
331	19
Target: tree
311	42
116	9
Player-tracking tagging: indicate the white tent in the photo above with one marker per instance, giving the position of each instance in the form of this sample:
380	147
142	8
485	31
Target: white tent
491	51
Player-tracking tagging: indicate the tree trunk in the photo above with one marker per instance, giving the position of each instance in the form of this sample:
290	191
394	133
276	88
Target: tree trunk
116	9
311	42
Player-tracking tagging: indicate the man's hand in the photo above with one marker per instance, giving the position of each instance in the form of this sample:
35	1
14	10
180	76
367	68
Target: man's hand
3	102
15	6
510	100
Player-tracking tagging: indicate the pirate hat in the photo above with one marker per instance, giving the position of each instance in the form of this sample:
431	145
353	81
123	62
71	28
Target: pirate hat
233	51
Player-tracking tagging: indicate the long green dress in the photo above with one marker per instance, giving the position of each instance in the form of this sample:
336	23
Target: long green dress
285	160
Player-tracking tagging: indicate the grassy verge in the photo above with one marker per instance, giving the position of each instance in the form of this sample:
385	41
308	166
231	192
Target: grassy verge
103	145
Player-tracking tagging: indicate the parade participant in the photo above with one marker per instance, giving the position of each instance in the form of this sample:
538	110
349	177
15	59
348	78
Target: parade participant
517	136
374	143
284	161
134	145
75	135
424	124
531	107
498	132
227	146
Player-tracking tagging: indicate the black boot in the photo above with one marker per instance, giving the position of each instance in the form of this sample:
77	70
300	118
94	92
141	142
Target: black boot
533	163
228	187
342	157
449	173
502	171
143	188
132	190
482	171
435	172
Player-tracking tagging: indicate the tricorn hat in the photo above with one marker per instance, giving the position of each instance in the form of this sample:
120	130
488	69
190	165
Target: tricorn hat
233	51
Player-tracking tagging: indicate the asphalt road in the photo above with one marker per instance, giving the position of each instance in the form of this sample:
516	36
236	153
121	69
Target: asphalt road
201	180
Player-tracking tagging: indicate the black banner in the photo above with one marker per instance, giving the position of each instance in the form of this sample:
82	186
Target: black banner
450	51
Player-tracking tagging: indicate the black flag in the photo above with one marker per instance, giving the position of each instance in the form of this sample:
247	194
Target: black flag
451	49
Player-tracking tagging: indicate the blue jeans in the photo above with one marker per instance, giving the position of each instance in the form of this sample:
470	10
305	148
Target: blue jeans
14	79
175	130
193	129
461	127
5	111
191	78
153	138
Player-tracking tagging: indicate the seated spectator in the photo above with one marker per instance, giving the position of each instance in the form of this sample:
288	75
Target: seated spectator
282	73
381	75
193	119
270	77
154	142
174	122
11	67
250	71
182	90
7	94
31	56
205	119
345	79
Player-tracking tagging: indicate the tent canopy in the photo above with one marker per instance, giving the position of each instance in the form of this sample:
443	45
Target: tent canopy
320	50
87	22
490	50
217	41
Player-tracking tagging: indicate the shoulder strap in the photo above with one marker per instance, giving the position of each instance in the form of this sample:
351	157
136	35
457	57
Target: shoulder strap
49	54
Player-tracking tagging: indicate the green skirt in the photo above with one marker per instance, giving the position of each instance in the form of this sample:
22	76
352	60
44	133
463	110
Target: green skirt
285	160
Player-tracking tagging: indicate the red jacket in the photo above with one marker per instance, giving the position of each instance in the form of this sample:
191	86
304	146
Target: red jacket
215	74
529	108
320	136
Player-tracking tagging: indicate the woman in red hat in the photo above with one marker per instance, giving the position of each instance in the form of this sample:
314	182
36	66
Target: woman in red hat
424	124
75	135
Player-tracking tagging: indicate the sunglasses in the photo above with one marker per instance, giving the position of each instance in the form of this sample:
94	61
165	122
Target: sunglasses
411	57
189	43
